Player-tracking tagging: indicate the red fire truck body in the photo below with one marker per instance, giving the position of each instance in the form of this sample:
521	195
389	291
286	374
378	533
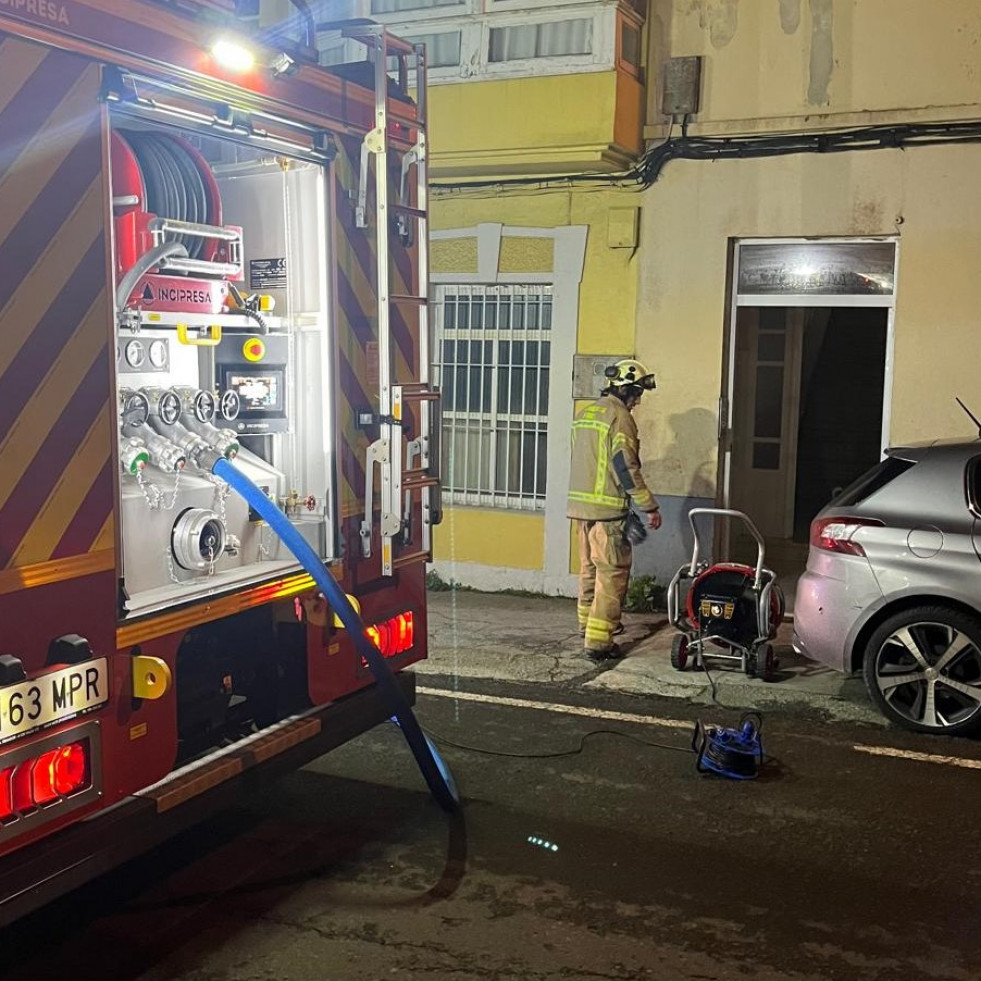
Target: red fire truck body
194	256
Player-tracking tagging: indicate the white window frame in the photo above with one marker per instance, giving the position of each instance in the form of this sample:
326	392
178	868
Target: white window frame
418	35
493	421
406	18
601	58
569	247
475	37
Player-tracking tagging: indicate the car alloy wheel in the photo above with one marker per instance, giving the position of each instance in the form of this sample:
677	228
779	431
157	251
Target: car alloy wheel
923	669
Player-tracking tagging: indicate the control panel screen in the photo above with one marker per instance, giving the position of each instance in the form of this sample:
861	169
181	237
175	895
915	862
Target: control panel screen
261	392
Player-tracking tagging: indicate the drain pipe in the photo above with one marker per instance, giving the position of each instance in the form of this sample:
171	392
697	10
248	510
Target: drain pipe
434	772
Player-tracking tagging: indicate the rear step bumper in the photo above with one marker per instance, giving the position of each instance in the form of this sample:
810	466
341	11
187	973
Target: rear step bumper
40	873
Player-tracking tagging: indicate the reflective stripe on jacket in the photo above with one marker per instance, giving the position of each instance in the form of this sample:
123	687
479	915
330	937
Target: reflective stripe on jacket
606	463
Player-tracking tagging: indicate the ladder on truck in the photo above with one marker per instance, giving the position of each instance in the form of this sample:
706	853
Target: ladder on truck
405	468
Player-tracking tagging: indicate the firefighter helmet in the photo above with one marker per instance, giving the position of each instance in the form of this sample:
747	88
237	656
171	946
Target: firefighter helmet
629	371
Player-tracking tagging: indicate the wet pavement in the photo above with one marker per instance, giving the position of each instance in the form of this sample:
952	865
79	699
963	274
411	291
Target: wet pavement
615	861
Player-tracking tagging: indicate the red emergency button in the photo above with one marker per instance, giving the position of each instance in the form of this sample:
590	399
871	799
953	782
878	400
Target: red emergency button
254	349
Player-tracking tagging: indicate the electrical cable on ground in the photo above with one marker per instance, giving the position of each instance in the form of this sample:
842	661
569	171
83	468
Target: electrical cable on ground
446	741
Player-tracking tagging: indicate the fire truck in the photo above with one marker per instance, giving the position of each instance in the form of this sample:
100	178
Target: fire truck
211	249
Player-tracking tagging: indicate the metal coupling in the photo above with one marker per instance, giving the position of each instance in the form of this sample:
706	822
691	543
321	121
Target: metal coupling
133	455
163	453
198	539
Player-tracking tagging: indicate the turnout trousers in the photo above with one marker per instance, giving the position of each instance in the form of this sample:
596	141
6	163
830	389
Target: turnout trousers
604	572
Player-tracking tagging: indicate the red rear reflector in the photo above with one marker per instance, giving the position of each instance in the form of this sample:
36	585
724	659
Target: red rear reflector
46	778
71	769
6	804
394	636
20	786
836	534
42	778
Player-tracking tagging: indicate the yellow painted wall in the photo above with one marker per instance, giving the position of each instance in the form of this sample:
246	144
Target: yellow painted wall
545	124
795	58
508	539
608	296
693	211
607	313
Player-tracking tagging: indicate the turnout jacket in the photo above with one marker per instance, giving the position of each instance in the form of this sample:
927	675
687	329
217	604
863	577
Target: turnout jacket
606	464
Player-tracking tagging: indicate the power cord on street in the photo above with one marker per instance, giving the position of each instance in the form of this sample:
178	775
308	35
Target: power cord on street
446	741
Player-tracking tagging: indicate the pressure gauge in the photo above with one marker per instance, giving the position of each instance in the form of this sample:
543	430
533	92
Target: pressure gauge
169	408
135	354
230	405
204	406
158	354
135	409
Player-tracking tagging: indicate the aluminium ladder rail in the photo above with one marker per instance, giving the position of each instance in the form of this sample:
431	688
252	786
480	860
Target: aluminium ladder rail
394	460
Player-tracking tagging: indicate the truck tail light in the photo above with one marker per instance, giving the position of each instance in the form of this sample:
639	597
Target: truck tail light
837	534
395	636
44	779
6	793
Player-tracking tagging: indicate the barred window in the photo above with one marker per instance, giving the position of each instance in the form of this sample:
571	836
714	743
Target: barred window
493	349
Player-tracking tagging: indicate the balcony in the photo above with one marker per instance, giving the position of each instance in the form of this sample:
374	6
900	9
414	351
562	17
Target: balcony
553	87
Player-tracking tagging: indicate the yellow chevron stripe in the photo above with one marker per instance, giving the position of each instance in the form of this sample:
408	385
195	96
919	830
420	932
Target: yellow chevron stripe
50	273
107	535
44	573
57	512
20	61
41	156
53	397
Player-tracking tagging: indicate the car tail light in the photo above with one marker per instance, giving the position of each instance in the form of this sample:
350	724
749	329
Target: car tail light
44	779
837	534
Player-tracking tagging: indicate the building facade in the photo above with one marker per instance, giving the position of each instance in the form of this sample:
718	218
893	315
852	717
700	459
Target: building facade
803	311
528	269
792	250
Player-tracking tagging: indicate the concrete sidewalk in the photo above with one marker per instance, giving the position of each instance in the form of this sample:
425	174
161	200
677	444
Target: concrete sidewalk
530	639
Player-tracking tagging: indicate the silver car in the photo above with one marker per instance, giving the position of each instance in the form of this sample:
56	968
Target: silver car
893	586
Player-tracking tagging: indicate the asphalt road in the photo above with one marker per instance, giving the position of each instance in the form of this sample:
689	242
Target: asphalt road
836	864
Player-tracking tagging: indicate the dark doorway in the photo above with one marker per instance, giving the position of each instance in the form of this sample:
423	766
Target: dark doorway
839	435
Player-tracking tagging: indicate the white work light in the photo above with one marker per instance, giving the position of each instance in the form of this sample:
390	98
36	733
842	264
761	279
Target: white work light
232	55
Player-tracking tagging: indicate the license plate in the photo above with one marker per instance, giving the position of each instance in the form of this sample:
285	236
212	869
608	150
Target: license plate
53	698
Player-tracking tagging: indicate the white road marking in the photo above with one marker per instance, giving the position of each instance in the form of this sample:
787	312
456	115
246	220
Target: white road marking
589	713
907	754
654	720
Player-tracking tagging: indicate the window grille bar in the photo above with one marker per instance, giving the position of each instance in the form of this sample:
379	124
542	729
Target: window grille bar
494	364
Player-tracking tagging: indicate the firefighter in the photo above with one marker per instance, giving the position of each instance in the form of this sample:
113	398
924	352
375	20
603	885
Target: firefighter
604	482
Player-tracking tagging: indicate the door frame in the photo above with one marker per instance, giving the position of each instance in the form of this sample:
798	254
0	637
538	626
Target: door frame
735	300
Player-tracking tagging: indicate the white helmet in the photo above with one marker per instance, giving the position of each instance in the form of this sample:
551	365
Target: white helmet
629	371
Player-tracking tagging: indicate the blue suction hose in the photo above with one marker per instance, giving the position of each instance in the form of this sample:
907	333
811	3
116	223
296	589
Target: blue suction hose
437	777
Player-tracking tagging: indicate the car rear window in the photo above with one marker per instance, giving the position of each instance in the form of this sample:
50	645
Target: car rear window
872	481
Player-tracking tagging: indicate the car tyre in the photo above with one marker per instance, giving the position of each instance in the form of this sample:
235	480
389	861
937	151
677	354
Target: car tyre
923	648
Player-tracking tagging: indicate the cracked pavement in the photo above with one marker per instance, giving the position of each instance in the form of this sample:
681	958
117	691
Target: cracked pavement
534	639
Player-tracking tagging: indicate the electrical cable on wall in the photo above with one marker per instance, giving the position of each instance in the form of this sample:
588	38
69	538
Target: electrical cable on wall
653	161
